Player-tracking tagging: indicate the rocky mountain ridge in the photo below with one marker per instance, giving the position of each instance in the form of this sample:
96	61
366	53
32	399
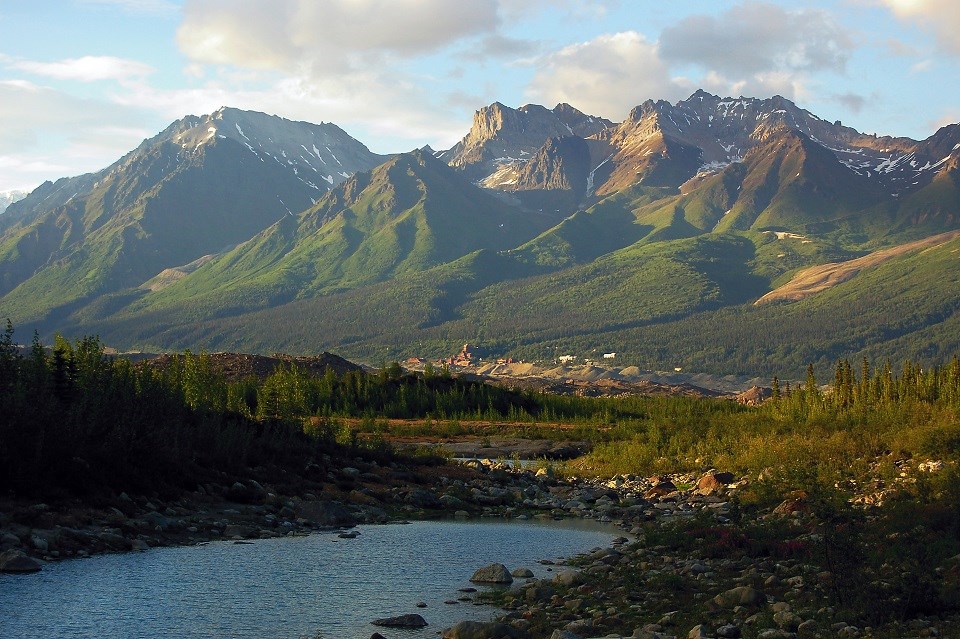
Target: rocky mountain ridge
561	223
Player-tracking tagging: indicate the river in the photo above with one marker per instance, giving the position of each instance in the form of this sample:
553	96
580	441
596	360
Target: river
285	588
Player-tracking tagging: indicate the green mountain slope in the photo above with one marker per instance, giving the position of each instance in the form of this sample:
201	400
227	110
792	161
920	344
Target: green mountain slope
409	214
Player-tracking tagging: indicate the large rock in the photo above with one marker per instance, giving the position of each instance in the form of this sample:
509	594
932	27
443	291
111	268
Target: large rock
423	498
401	621
568	577
713	482
327	513
660	489
16	561
739	596
249	493
482	630
492	574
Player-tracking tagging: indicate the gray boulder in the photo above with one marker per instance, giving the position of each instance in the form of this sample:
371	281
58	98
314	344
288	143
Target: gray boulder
423	498
327	513
482	630
17	562
401	621
739	596
568	577
492	574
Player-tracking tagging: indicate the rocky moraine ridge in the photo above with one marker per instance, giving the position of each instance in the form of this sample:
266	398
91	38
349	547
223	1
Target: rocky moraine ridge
647	585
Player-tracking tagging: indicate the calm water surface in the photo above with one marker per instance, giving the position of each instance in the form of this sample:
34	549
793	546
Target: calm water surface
284	588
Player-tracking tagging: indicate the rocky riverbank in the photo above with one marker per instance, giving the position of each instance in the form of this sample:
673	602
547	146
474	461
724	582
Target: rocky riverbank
696	565
692	562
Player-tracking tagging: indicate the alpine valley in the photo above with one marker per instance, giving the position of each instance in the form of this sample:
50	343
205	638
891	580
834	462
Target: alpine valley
717	234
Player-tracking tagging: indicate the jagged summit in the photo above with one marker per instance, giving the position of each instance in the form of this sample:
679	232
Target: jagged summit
666	144
501	136
322	155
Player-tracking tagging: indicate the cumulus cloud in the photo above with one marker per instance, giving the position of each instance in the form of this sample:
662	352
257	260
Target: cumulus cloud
86	69
387	106
606	76
52	134
942	17
758	37
330	37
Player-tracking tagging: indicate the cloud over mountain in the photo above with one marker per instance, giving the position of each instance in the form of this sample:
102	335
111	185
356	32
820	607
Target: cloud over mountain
940	16
605	75
329	37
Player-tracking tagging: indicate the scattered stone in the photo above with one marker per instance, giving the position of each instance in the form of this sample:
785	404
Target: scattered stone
521	573
728	631
492	574
401	621
786	620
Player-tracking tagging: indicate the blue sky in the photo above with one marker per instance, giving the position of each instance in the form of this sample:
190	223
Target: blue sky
84	81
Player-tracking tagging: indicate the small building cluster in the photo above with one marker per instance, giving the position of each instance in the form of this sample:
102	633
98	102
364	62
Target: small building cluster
464	358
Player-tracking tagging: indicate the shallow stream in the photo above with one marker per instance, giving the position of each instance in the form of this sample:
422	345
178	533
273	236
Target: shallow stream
283	588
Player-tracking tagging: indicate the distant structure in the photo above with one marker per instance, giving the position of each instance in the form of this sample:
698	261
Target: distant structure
464	358
609	356
565	359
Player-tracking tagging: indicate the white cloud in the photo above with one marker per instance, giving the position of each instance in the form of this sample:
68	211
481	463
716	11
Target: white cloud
388	105
50	134
758	37
329	37
942	17
606	76
753	49
86	69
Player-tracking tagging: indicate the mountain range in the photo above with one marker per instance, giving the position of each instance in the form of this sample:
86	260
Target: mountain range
543	231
